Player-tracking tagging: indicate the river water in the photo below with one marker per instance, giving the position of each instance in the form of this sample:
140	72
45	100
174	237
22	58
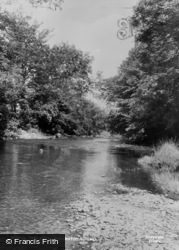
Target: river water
39	179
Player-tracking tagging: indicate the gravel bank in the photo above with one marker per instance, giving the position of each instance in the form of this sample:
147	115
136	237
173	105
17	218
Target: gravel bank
124	218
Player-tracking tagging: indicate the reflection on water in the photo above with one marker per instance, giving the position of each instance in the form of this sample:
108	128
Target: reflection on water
39	179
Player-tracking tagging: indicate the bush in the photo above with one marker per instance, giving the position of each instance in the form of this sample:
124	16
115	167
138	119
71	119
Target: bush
165	157
12	129
168	182
3	119
163	165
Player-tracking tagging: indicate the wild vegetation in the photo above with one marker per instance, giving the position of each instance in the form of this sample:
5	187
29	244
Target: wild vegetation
144	95
145	92
43	87
163	165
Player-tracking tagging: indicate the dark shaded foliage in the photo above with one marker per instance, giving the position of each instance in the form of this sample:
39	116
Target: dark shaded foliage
146	89
43	87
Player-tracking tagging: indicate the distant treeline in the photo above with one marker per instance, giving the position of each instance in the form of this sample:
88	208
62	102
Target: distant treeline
43	87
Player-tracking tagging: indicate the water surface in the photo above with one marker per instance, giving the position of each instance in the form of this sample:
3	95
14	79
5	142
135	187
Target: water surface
40	178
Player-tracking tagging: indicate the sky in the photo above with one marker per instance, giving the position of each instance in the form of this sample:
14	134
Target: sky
91	25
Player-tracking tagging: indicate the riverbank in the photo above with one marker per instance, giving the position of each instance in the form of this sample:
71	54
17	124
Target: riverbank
36	134
32	134
163	167
125	218
134	149
69	188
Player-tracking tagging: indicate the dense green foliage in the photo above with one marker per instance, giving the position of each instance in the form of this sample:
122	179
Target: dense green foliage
146	89
43	87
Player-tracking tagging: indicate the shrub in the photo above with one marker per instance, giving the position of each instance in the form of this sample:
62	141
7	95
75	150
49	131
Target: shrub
145	161
12	129
165	157
163	165
168	182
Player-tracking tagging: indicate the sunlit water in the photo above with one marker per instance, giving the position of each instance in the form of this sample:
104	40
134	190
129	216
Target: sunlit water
40	178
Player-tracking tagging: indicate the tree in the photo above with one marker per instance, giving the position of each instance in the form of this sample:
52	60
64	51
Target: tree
52	4
21	49
43	87
60	83
146	89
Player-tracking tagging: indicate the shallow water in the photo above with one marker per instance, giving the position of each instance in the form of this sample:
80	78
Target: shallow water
40	178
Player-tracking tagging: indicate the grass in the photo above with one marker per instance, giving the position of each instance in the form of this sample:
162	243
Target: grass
163	166
168	182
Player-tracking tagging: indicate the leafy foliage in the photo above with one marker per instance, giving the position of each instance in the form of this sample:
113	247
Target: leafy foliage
146	89
43	87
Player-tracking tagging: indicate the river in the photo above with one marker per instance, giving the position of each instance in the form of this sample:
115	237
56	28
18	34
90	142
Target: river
39	179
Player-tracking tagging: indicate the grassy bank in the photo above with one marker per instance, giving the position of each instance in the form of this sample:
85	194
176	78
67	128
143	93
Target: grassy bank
32	134
163	166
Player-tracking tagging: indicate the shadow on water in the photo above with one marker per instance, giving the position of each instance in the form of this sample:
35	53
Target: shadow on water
39	179
132	174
